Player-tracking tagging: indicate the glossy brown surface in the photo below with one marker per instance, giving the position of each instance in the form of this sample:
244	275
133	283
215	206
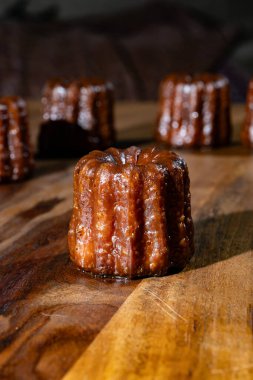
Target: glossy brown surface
16	161
247	128
132	213
49	310
194	111
196	324
77	117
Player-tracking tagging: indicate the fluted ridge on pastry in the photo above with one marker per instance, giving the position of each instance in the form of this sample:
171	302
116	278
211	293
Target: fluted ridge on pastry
131	214
87	103
16	159
247	128
194	111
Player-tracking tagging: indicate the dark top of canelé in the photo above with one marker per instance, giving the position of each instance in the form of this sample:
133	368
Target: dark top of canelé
135	156
183	78
95	84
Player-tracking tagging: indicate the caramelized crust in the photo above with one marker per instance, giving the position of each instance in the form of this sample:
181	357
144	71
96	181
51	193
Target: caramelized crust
132	213
16	160
77	117
247	129
194	111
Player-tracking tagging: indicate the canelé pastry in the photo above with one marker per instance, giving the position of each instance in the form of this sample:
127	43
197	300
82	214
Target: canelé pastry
194	111
77	117
132	213
247	129
16	160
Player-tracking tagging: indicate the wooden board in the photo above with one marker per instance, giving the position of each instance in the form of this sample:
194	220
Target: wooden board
55	321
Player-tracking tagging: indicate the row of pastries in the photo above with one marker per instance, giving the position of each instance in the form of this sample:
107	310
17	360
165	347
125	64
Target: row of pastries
132	207
194	112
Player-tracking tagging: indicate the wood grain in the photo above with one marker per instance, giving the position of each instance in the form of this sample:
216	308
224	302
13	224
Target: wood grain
50	311
193	325
187	326
196	324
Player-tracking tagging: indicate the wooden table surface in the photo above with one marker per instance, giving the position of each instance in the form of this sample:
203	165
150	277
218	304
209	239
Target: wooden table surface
56	322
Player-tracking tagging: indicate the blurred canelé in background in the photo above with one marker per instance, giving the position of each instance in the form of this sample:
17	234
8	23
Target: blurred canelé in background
77	117
131	44
194	111
247	128
16	158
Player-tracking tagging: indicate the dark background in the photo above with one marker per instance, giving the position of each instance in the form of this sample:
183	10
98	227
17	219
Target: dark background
132	43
